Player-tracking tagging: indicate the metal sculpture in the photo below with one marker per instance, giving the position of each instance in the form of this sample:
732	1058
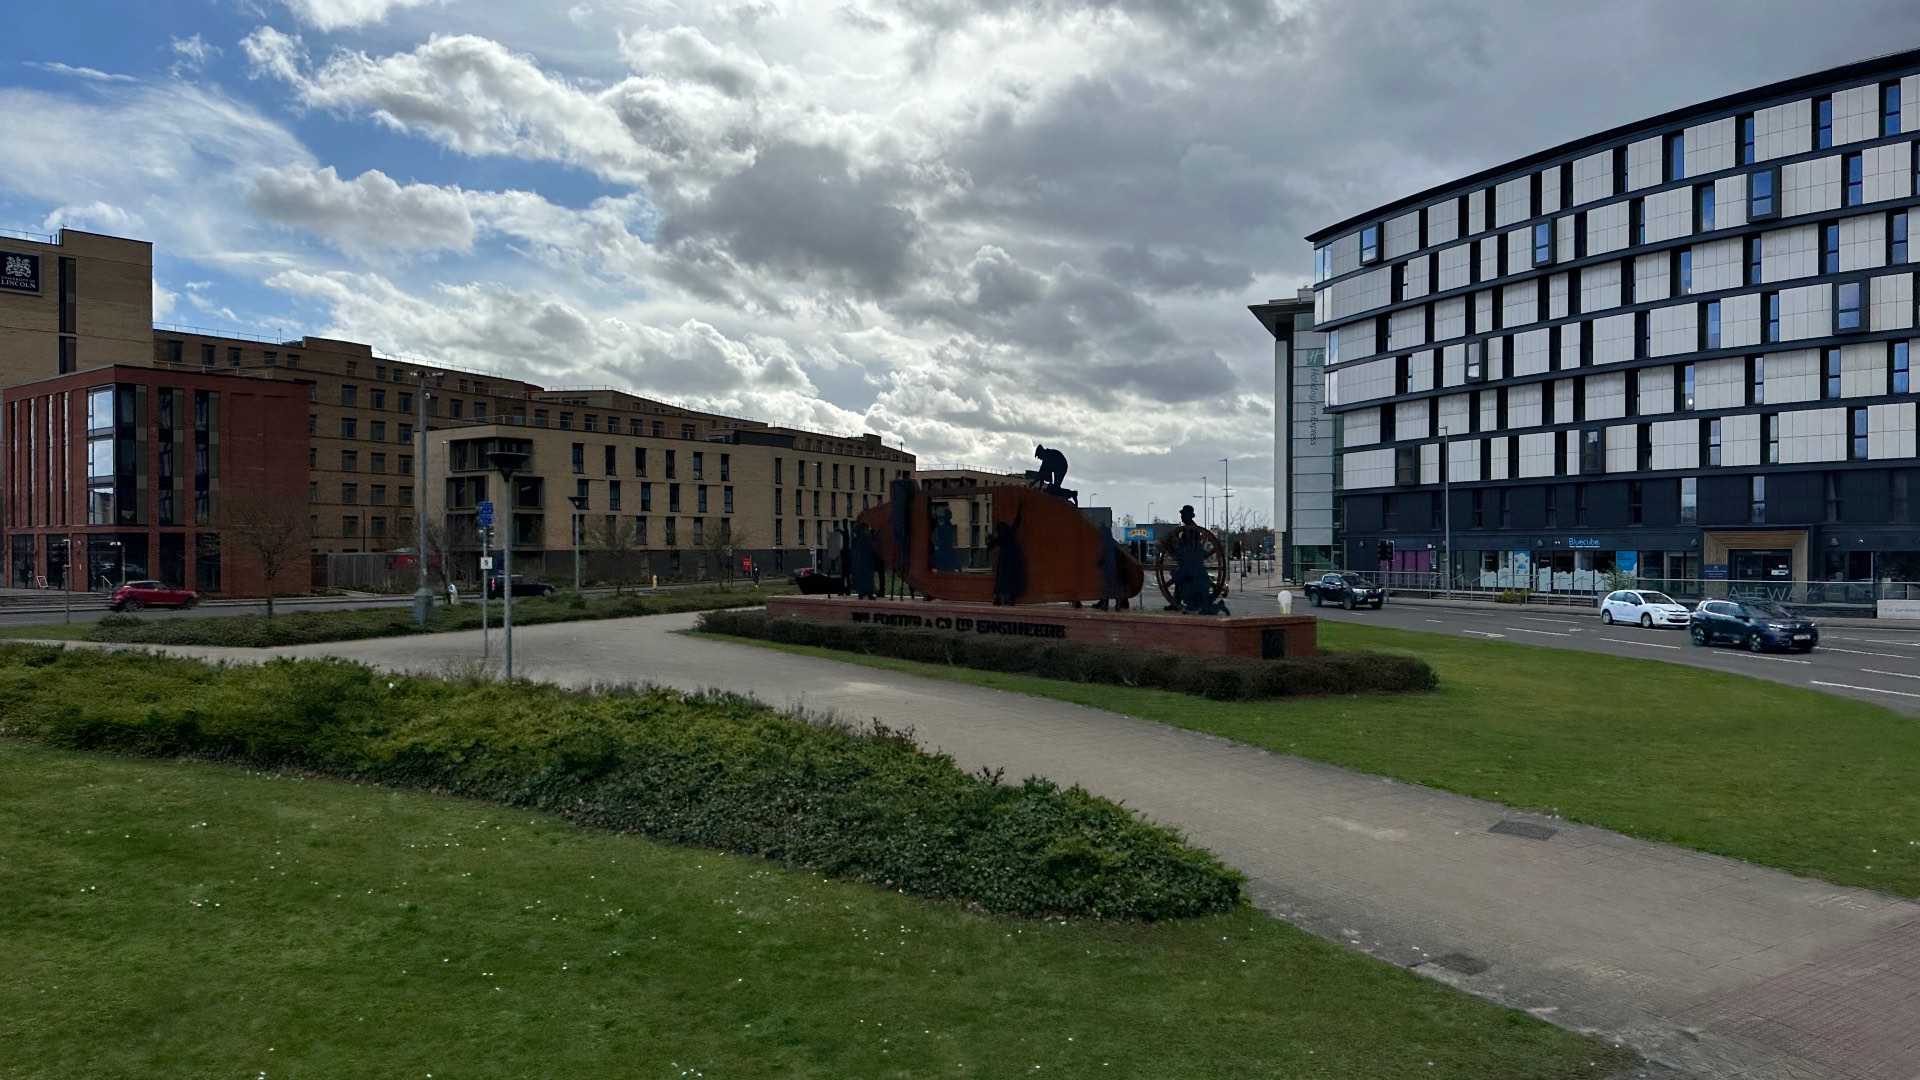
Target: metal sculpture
1192	568
1040	548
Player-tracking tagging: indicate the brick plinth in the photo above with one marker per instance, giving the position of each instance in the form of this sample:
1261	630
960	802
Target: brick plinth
1254	636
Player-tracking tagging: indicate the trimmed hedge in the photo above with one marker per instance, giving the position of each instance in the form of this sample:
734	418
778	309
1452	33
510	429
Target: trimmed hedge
1223	678
312	627
712	770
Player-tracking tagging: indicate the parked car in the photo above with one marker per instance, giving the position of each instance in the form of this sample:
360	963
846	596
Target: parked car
135	595
812	582
1758	625
1643	607
522	586
1347	589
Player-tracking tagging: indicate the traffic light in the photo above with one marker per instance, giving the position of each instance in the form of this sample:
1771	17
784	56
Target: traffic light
1385	551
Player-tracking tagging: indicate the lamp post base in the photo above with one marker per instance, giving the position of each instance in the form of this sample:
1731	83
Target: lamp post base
422	604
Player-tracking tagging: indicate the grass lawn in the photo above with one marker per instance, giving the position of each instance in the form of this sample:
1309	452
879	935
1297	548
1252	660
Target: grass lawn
1772	774
302	626
174	919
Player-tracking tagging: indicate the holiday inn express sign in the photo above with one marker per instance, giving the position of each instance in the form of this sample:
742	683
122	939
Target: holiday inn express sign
19	272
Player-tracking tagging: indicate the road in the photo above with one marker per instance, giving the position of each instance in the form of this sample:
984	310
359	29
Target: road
1876	664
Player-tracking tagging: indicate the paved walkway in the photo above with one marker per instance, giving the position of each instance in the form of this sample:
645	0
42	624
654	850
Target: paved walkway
1713	967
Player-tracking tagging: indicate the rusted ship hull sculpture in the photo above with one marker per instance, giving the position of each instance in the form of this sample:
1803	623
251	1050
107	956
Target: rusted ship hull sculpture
1042	550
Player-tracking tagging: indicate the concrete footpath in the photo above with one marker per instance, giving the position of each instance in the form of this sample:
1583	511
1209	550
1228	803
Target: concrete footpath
1708	966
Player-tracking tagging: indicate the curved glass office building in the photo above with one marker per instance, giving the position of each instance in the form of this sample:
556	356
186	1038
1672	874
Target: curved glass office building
1681	348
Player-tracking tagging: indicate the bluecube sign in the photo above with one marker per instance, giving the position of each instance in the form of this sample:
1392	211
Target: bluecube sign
19	272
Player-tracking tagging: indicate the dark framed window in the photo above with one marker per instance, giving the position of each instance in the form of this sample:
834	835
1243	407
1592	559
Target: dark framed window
1684	387
1854	167
1593	452
1689	500
1714	433
1829	247
1682	271
1675	148
1857	428
1746	139
1369	245
1754	260
1757	500
1831	483
1822	122
1771	301
1830	381
1636	507
1709	328
1643	447
1637	220
1770	428
1763	194
1703	208
1476	361
1849	306
1543	244
1897	237
1899	376
1756	380
1890	108
1642	334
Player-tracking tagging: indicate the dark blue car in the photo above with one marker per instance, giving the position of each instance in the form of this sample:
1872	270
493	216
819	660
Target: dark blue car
1757	625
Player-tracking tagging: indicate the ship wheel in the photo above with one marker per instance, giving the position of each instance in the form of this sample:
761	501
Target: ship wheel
1166	566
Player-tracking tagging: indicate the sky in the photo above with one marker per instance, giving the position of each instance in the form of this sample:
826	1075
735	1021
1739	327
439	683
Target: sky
970	226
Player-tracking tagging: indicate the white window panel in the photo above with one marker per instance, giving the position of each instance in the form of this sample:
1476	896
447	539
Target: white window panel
1623	448
1530	352
1563	399
1810	187
1430	463
1476	212
1606	396
1464	456
1676	444
1550	189
1806	312
1720	384
1783	130
1892	298
1740	439
1416	278
1519	250
1454	267
1366	382
1652	278
1863	242
1669	214
1643	164
1890	430
1361	427
1786	254
1497	467
1345	253
1613	338
1536	454
1719	265
1410	420
1449	318
1401	235
1863	369
1600	287
1420	371
1730	201
1813	435
1710	147
1523	405
1557	297
1856	114
1910	103
1407	328
1887	171
1656	390
1453	365
1518	304
1443	222
1367	469
1483	308
1454	412
1793	376
1607	228
1593	177
1512	201
1740	320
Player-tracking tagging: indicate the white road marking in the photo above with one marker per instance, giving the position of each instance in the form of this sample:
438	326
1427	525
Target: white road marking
1895	674
1648	644
1775	659
1868	689
1482	633
1857	652
1536	618
1433	620
1550	633
1389	835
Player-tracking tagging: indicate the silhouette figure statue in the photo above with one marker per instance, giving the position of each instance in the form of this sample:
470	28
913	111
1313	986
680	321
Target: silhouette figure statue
1009	562
1052	470
1110	589
945	557
861	563
1192	585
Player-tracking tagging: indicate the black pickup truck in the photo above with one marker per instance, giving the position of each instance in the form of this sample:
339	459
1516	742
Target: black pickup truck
1349	590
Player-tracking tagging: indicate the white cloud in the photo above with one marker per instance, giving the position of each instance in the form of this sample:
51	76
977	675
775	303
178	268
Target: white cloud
193	54
347	14
90	74
367	215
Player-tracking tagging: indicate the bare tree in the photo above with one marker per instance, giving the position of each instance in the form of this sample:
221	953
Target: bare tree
273	530
447	536
615	540
721	544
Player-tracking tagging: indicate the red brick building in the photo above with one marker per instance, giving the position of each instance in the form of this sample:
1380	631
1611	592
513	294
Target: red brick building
123	473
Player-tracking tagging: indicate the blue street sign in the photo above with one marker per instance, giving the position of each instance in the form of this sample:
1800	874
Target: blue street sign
484	513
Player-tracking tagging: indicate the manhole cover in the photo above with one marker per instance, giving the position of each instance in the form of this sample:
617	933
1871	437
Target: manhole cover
1462	963
1523	828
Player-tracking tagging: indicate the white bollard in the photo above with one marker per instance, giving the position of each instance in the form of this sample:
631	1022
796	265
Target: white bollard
1286	601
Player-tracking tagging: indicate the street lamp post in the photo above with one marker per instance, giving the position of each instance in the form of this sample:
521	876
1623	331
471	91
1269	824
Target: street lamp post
579	519
507	463
1446	507
422	596
1226	503
120	550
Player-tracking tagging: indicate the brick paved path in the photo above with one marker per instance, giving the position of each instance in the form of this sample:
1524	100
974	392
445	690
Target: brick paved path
1707	965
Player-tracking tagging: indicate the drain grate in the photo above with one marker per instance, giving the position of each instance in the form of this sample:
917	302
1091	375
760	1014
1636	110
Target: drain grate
1462	963
1523	828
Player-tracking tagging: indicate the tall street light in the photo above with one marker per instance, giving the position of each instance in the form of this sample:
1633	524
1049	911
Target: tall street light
507	463
579	520
1446	506
1226	502
422	596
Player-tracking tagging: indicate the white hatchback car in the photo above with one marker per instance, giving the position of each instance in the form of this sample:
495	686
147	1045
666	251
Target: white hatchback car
1643	607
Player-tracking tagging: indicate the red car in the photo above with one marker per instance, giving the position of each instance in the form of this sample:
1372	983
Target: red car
135	595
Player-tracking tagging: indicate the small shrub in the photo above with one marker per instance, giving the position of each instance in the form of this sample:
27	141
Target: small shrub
1512	596
715	770
1223	678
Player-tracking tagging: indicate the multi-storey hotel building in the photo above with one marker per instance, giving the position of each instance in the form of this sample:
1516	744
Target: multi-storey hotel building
1681	348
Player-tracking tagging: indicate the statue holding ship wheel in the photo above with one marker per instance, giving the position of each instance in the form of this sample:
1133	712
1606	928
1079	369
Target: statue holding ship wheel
1192	568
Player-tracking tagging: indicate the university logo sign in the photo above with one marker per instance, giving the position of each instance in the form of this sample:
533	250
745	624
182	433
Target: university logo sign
19	273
